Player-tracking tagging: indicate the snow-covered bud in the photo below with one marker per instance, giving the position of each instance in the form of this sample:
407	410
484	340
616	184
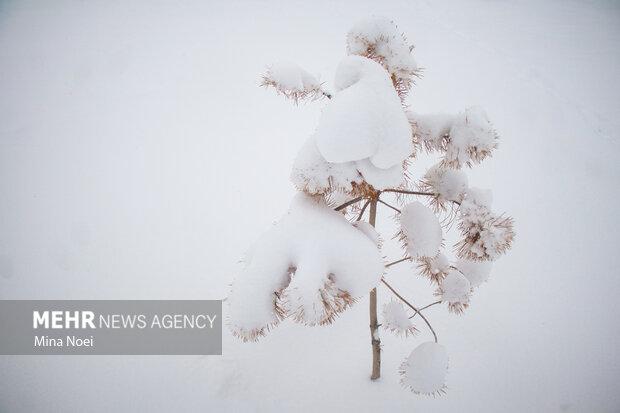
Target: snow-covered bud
446	184
472	138
380	39
292	81
435	268
424	371
455	290
430	131
396	319
420	231
477	272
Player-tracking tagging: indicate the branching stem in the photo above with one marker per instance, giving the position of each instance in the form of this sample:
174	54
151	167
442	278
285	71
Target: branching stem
425	307
397	261
346	204
411	306
359	217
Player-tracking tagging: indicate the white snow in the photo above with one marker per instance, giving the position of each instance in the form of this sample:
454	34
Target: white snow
455	290
136	145
424	370
449	184
396	320
420	230
313	174
380	38
431	130
292	81
476	272
365	118
472	138
300	268
369	231
435	268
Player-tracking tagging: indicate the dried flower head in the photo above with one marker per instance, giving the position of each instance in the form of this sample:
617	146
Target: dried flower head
435	268
447	185
293	82
424	370
396	319
455	290
472	139
380	39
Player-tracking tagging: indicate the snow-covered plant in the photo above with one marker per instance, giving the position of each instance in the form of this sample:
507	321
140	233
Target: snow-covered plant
322	255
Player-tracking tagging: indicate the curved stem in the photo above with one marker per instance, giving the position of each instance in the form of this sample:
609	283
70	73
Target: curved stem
411	306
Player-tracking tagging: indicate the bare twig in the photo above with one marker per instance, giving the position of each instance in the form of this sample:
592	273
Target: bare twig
359	217
397	261
403	191
346	204
425	307
411	306
388	205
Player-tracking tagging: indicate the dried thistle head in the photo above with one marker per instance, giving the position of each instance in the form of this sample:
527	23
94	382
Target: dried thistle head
396	320
380	39
311	306
292	82
447	186
424	370
455	290
472	139
434	268
485	237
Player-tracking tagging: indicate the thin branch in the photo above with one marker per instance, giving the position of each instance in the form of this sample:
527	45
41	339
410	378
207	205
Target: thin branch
397	261
424	308
411	306
346	204
403	191
359	217
388	205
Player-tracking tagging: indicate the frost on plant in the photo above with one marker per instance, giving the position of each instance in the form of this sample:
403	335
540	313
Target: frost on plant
325	253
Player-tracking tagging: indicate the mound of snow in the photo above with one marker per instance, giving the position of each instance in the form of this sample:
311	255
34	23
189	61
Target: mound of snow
311	265
455	290
292	81
424	371
379	39
447	184
313	174
365	118
472	138
476	272
420	230
396	319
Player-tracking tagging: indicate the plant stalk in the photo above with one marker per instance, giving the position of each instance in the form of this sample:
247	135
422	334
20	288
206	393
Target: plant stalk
374	324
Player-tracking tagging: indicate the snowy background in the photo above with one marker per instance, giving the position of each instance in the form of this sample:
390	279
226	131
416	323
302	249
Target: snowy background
139	159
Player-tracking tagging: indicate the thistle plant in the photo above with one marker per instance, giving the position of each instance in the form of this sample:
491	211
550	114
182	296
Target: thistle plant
324	254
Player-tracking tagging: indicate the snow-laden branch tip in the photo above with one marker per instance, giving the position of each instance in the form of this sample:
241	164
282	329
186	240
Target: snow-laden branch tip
293	82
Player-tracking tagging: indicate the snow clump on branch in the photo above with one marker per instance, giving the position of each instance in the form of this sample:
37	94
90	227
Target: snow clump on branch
420	231
424	371
310	266
292	81
396	319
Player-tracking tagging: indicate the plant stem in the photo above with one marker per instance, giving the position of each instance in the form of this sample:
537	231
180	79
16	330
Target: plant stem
374	325
346	204
397	261
410	306
424	308
388	205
